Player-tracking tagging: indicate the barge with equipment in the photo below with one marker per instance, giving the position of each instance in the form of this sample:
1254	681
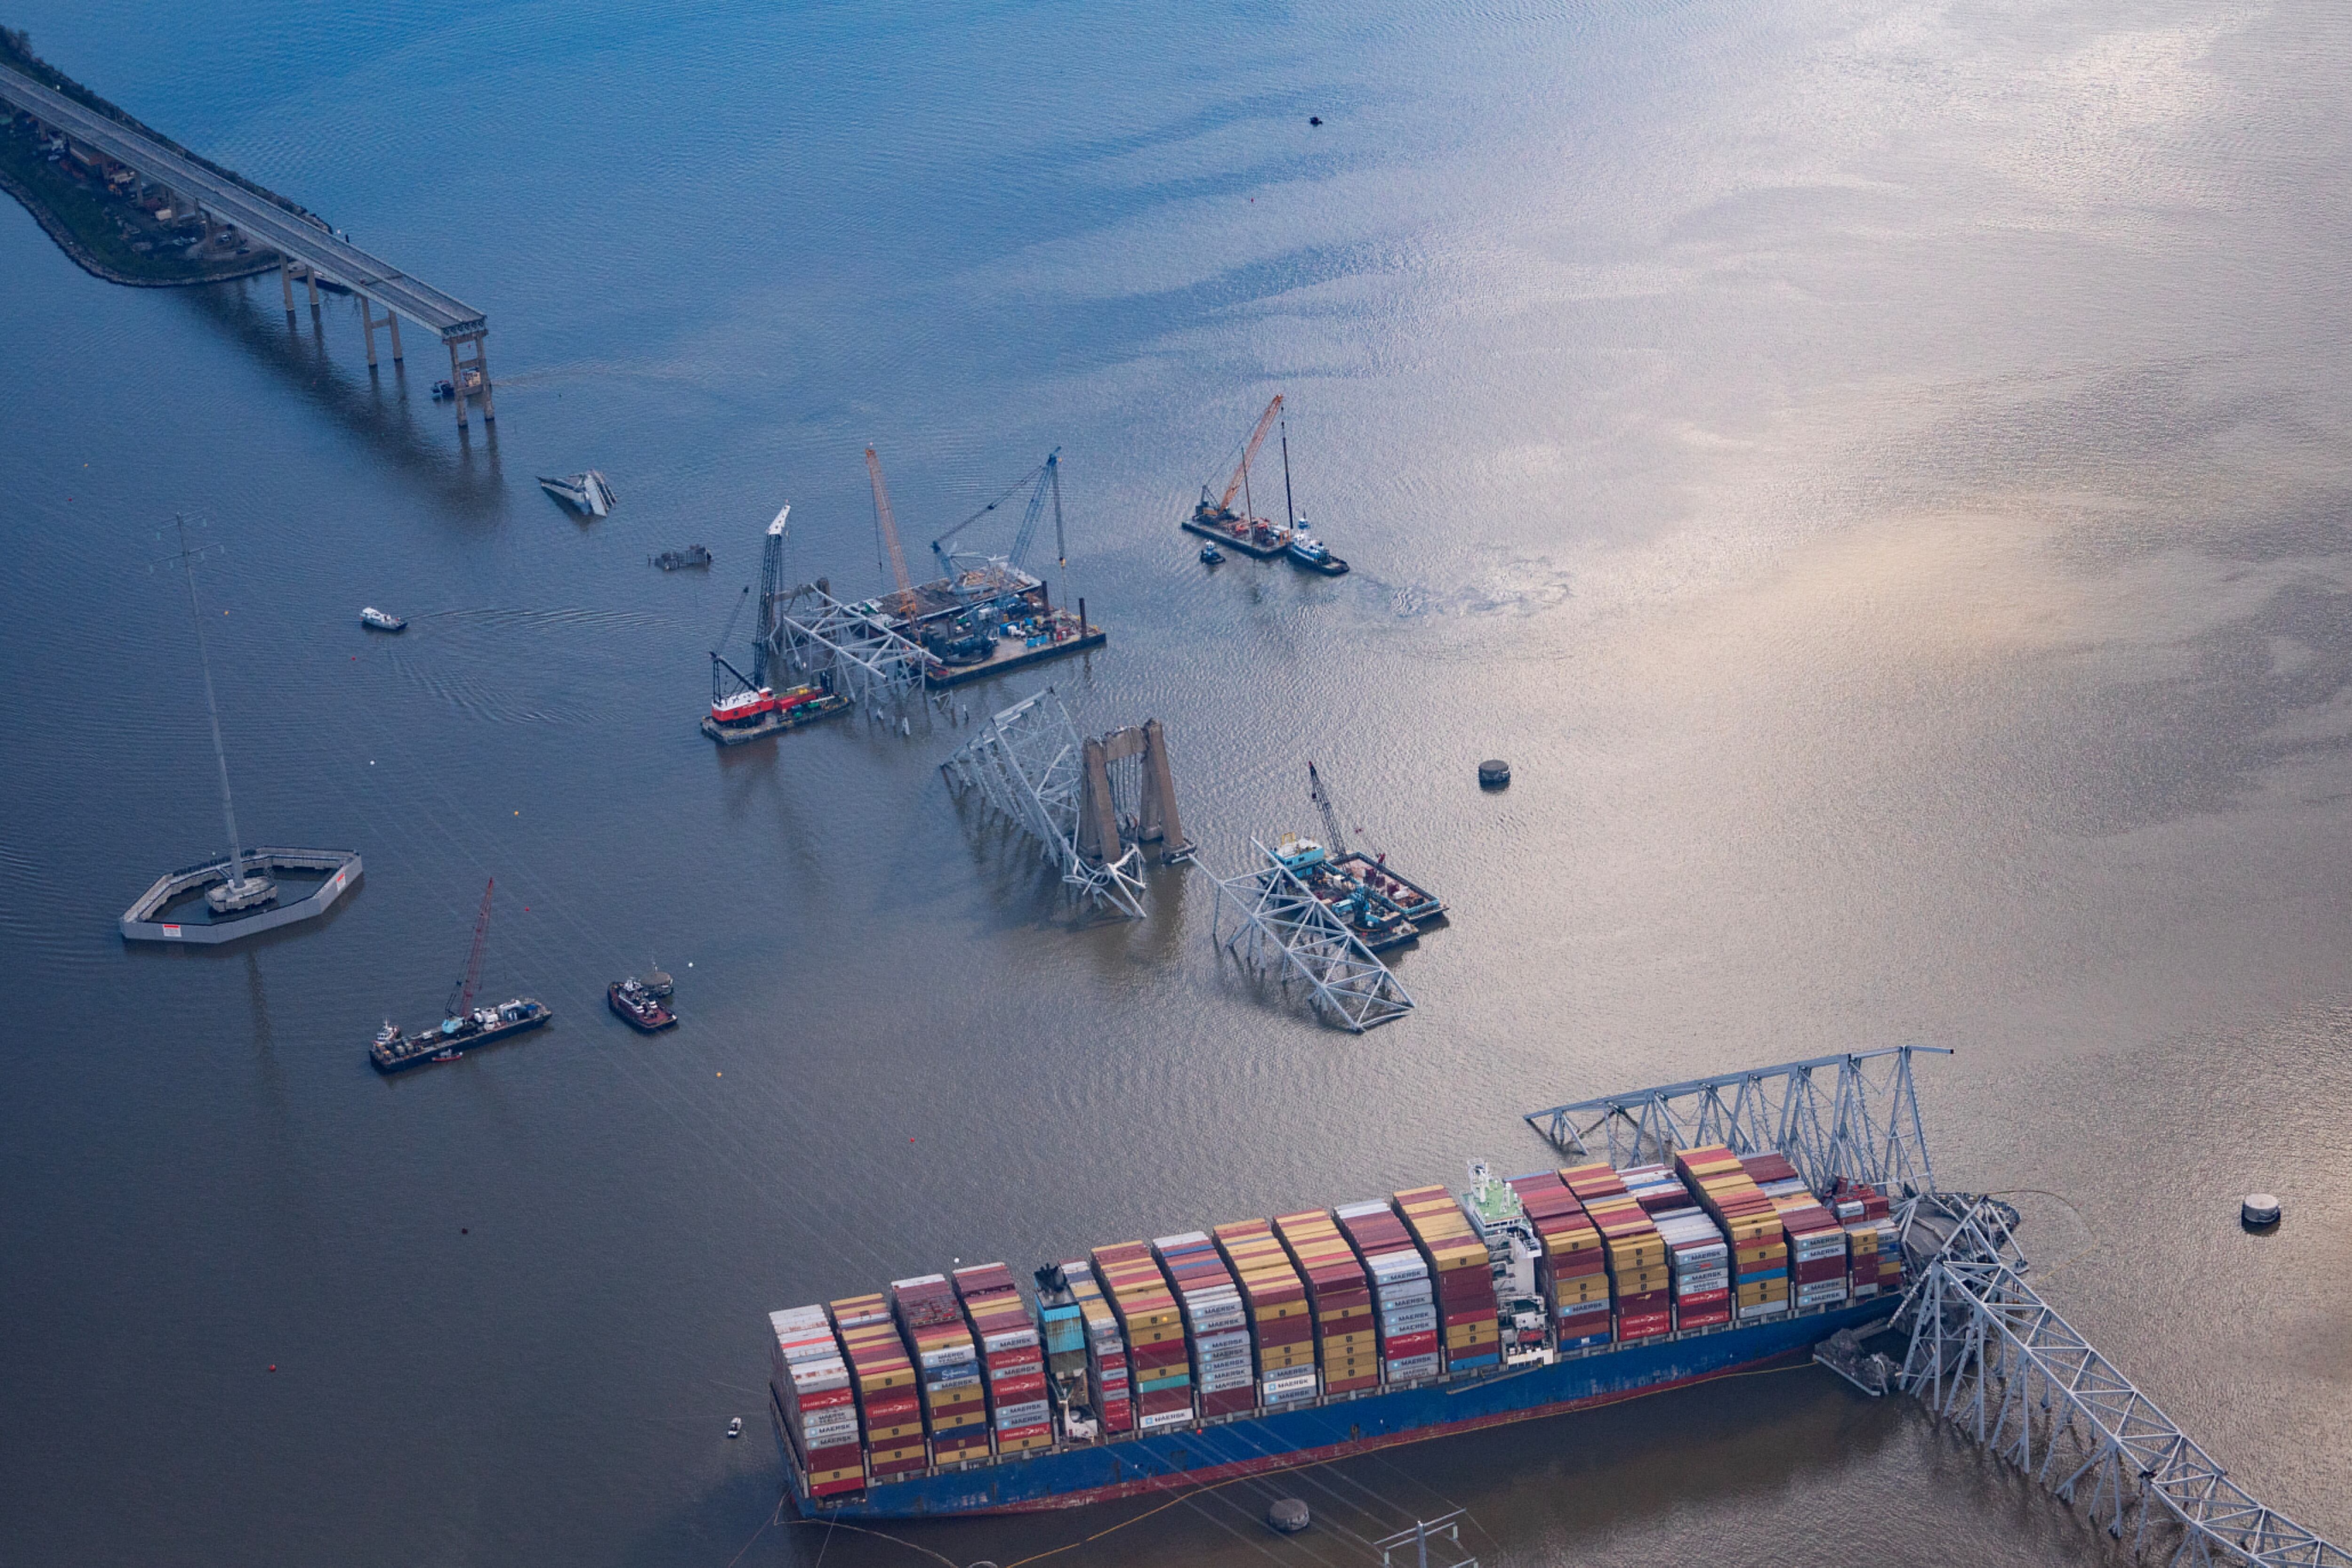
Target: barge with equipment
463	1027
1265	1345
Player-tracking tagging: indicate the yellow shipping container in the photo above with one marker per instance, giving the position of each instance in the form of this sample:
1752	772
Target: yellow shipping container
1763	1291
1023	1445
882	1437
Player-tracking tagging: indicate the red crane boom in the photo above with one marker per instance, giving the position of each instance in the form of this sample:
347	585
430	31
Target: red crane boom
889	527
1257	439
462	996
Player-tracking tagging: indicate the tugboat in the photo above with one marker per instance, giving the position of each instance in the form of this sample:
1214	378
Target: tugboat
1305	549
671	560
382	620
1212	556
585	492
1309	551
463	1026
639	1007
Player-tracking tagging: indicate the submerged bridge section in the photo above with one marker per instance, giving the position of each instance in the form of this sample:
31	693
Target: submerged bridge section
1985	1352
306	249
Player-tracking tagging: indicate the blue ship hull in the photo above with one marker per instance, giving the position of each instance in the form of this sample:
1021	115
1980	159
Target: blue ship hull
1331	1429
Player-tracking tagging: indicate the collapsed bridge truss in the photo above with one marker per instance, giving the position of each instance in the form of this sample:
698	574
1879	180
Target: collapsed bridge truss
1031	768
1281	926
1985	1352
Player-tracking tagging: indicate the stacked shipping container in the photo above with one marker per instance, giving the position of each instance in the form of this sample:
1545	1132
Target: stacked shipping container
947	1367
1572	1272
1282	1325
1751	1226
1160	1370
1012	1357
1153	1336
810	1382
1404	1304
1462	1271
884	1379
1214	1319
1346	1342
1635	1251
1875	1264
1108	1377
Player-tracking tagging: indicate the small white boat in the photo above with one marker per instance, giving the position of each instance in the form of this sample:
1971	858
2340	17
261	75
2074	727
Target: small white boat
585	492
382	620
735	1427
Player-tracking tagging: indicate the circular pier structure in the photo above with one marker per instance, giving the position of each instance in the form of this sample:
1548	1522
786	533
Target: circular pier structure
2260	1210
280	888
1288	1516
1494	774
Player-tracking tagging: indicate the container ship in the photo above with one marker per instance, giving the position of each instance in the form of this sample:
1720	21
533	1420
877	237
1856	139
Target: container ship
1270	1343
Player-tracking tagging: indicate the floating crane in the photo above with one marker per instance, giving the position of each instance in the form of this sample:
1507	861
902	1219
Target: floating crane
1240	481
1342	841
1246	531
1046	480
888	526
461	994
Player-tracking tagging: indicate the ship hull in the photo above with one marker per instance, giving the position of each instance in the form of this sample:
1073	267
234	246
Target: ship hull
1314	1434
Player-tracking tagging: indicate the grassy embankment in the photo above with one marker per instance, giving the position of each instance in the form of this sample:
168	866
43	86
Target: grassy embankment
96	227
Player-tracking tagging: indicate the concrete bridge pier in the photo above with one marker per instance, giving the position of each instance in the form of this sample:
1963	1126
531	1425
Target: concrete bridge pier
286	271
368	320
479	365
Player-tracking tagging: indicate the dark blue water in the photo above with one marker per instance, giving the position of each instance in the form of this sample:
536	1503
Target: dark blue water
1877	474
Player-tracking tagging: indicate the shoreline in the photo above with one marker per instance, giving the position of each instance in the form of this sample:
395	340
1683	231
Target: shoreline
82	257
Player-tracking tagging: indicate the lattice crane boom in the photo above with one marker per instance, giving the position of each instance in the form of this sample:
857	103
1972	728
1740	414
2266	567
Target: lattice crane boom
889	525
461	996
1257	439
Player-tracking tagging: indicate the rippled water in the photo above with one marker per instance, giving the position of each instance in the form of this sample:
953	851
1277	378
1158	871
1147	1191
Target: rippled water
1878	473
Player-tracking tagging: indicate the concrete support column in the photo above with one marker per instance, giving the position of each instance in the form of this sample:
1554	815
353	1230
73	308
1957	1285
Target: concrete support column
286	282
482	362
310	277
456	384
368	320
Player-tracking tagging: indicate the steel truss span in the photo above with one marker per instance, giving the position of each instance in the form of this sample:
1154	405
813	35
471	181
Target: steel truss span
1281	926
1990	1355
1028	764
1854	1115
852	651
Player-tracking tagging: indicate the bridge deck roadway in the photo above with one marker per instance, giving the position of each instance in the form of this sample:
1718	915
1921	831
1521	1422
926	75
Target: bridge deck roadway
268	223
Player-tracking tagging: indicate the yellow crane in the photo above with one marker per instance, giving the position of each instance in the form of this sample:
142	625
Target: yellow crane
903	603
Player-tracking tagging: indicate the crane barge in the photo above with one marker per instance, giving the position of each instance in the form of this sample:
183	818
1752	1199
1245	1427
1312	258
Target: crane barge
1243	530
463	1026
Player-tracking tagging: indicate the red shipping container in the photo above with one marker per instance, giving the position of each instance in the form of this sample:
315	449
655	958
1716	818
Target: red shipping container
1352	1385
1644	1328
1230	1401
841	1456
1704	1320
1162	1401
1700	1301
1822	1269
1472	1314
1647	1301
1018	1390
1400	1346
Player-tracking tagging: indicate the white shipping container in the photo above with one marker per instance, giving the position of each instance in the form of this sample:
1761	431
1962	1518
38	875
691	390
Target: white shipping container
1032	1414
1165	1419
1291	1382
1413	1367
1694	1284
1009	1340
